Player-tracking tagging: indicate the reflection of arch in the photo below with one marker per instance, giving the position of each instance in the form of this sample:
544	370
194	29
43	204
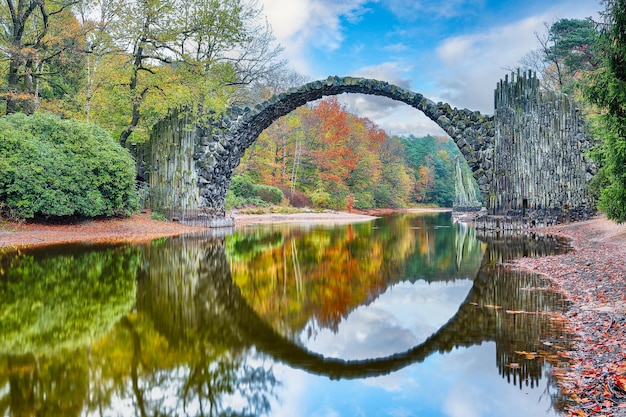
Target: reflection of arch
214	309
472	132
470	326
469	322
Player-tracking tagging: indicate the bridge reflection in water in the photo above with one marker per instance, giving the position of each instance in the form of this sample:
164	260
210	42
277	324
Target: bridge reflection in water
214	314
495	309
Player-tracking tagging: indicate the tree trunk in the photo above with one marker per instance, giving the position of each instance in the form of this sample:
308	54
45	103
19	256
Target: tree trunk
13	80
137	99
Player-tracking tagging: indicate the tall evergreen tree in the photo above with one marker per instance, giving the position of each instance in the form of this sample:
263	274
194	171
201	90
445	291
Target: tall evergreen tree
607	89
566	50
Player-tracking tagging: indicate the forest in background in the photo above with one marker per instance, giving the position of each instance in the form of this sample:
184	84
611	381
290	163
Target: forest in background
325	157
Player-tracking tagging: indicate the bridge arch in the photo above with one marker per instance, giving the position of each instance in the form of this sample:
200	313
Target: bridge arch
466	328
472	132
471	325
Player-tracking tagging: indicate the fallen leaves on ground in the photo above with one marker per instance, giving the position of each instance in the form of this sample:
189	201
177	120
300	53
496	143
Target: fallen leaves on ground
592	276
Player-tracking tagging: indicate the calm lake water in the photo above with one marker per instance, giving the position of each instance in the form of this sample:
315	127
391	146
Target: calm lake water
409	315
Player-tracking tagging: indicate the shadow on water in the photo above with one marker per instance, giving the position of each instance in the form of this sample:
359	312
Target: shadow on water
195	325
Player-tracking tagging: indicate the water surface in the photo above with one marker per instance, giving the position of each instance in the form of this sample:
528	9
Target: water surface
406	315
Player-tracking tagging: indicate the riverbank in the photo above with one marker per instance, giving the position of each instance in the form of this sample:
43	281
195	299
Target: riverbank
141	228
592	276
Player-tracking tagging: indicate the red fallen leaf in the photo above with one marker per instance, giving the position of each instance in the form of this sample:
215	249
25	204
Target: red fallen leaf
620	380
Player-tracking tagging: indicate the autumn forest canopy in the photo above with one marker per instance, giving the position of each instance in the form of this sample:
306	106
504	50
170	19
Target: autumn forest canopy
122	65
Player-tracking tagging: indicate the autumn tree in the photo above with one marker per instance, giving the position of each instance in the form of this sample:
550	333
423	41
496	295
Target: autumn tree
397	178
61	73
274	158
335	159
332	158
431	160
193	52
95	17
28	46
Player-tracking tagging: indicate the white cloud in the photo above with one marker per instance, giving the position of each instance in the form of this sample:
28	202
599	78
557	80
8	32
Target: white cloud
396	47
408	9
304	24
405	315
393	117
473	64
391	72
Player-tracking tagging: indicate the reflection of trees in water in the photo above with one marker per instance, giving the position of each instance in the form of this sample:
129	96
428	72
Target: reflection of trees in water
466	245
32	386
180	291
318	276
186	348
521	308
55	297
505	247
203	378
523	305
134	371
483	317
168	364
495	286
57	300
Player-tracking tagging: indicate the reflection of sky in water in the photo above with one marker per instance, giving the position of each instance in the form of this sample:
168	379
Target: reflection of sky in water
462	383
404	316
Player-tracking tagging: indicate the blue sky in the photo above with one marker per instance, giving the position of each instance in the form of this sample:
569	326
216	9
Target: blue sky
453	50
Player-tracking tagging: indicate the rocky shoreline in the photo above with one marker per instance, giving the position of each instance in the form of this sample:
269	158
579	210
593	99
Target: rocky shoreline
592	277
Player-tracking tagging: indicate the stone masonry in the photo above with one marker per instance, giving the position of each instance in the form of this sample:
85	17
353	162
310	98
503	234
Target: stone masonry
217	155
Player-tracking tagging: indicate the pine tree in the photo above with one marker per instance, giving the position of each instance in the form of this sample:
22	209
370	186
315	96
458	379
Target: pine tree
607	90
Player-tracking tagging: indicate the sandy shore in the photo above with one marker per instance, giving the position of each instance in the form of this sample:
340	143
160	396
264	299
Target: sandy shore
337	217
141	227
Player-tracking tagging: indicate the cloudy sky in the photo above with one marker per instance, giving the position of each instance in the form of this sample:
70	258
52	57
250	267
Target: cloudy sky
453	51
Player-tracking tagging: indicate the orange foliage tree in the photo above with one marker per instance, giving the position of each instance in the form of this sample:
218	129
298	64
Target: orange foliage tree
338	159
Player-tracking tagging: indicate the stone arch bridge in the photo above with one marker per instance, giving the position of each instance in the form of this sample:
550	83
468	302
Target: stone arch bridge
528	159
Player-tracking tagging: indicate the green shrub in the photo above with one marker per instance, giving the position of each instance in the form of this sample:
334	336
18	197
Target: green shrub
243	186
270	194
232	201
364	200
55	167
245	191
321	199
